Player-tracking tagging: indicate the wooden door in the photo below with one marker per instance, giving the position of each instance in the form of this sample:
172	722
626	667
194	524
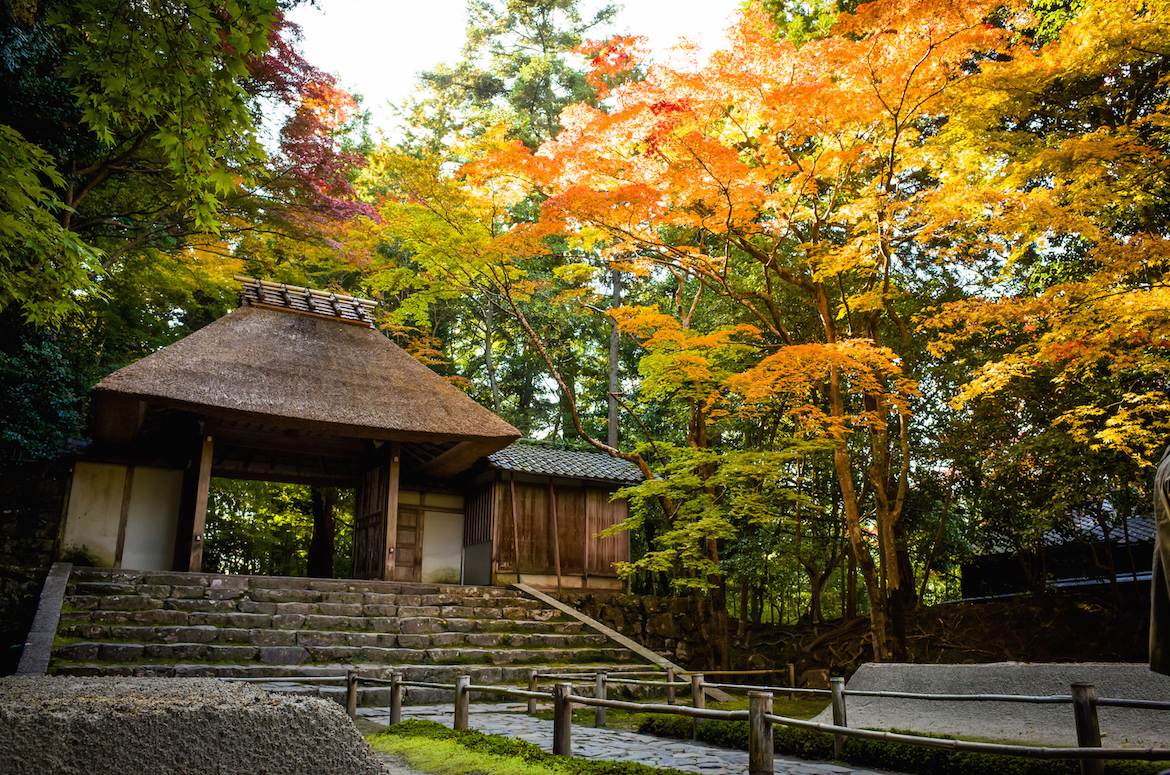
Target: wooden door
408	545
375	520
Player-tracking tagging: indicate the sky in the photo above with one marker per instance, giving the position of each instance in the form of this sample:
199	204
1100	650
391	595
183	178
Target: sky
376	46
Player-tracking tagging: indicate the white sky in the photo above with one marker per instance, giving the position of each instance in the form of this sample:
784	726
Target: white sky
376	46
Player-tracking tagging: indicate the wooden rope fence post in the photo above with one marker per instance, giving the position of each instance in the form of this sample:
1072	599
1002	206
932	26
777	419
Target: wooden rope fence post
533	680
1088	728
670	686
462	701
562	720
839	719
759	733
351	693
698	700
791	680
396	692
599	693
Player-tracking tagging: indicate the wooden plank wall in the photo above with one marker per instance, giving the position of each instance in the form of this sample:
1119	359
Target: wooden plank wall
370	524
581	512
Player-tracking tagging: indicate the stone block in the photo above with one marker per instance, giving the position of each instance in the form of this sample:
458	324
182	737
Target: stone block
230	635
131	633
379	610
120	652
75	616
511	612
128	603
329	585
85	631
280	582
160	617
285	595
459	625
202	604
187	591
441	656
319	638
414	641
81	602
544	614
154	671
319	622
340	609
288	621
248	620
364	639
457	611
176	650
379	598
422	625
343	598
283	655
409	600
194	671
661	625
566	628
382	623
394	656
104	588
334	653
441	600
249	606
817	678
405	611
177	579
447	639
215	620
227	582
159	591
489	640
272	637
231	653
78	651
204	633
225	593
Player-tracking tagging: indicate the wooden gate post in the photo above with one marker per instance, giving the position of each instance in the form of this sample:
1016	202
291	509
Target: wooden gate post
670	686
462	701
698	700
839	719
351	693
1088	728
759	733
562	720
533	682
791	680
396	690
599	693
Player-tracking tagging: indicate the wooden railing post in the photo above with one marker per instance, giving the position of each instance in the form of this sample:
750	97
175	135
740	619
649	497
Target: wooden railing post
599	693
839	718
670	686
533	681
698	700
462	701
396	692
1088	728
791	679
351	693
562	720
759	733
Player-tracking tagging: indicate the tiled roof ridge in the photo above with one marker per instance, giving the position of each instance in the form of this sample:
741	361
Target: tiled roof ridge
531	458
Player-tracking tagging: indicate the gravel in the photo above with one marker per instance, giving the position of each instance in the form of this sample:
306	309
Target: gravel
158	726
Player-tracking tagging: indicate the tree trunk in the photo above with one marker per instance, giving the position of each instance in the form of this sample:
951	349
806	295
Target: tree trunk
614	348
324	528
488	362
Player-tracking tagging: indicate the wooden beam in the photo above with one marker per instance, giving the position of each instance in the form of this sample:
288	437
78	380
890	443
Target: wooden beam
552	506
515	531
124	517
201	488
393	468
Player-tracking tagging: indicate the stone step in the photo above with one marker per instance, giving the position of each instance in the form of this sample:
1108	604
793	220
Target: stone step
211	634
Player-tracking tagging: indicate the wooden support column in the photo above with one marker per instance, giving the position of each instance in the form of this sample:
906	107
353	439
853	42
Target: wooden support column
127	491
552	507
393	469
203	484
515	530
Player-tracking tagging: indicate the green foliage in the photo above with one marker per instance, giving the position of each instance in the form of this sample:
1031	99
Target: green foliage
264	528
44	267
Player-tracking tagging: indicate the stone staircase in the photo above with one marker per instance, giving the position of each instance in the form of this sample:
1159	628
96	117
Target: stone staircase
147	623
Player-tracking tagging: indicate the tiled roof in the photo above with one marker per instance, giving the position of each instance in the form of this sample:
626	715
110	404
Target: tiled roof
562	462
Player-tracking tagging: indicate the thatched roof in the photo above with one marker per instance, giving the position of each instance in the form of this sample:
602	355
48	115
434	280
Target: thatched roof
293	370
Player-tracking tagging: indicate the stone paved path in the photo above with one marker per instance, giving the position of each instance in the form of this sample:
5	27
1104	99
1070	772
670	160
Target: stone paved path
510	720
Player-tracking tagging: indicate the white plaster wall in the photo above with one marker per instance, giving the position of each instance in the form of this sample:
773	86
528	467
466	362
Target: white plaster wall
95	507
442	547
153	519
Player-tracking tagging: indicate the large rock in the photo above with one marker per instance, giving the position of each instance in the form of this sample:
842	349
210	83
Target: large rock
1020	723
114	726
